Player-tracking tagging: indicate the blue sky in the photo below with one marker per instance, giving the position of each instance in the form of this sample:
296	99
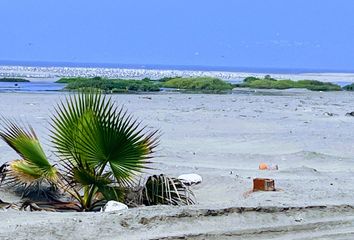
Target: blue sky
313	34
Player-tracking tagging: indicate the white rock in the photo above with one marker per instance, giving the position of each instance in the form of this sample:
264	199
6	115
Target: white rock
112	206
190	179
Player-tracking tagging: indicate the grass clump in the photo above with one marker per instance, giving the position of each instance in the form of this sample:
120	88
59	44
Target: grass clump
6	79
271	83
204	84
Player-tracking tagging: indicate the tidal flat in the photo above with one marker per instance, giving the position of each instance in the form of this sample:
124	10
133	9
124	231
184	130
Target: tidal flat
223	138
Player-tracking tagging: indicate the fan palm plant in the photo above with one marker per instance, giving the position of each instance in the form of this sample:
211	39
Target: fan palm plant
100	147
34	169
100	150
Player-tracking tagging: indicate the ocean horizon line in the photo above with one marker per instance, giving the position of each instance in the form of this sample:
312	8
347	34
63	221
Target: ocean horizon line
272	70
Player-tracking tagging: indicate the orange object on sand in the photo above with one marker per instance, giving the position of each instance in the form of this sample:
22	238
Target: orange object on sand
263	166
263	184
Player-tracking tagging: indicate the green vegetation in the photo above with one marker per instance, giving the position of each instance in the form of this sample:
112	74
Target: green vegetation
6	79
165	79
111	85
318	86
100	149
193	84
204	84
271	83
76	79
349	87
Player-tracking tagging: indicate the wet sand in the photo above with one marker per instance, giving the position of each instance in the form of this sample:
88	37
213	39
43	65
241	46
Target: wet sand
223	138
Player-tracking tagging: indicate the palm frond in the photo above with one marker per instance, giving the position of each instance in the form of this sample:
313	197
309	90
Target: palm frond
89	130
160	189
34	167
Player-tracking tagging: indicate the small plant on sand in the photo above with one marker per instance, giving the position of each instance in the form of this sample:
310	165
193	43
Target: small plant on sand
100	149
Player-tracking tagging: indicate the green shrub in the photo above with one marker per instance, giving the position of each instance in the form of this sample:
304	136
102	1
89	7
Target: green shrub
283	84
250	79
349	87
271	83
317	85
260	84
165	79
207	84
204	84
112	85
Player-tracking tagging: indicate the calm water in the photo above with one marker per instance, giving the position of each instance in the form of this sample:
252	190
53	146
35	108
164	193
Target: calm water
31	87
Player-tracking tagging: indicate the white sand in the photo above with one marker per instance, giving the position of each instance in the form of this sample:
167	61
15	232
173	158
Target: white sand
223	138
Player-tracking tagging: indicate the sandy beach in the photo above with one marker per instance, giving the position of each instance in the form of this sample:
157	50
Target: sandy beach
223	138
